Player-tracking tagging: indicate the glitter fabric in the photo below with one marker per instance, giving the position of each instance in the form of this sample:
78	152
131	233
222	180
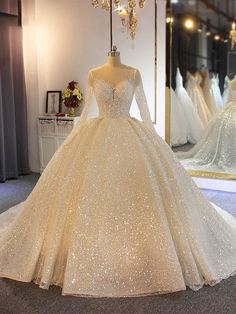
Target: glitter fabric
216	151
115	214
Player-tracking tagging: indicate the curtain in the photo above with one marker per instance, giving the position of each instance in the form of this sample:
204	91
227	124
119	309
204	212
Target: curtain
13	109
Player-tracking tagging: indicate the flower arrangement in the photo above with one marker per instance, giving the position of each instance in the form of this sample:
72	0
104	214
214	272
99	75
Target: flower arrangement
72	96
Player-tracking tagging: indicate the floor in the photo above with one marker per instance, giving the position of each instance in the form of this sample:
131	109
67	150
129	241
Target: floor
27	298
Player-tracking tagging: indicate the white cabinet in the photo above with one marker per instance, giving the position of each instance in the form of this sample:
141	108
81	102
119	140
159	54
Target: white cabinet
52	133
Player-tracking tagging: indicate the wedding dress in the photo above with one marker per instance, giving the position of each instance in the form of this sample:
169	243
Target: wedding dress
226	90
215	92
114	213
193	123
178	127
217	149
206	88
195	93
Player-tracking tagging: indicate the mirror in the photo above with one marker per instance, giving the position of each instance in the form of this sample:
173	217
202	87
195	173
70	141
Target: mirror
201	82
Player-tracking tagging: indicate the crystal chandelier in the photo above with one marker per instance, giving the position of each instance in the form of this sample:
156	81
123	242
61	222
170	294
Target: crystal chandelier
233	36
126	12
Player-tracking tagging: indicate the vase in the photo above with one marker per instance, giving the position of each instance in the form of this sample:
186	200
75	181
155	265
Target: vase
71	111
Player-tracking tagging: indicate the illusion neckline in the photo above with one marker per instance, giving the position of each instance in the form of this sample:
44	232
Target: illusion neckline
112	85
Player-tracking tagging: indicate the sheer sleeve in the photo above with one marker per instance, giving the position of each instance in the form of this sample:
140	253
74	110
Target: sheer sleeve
142	101
88	99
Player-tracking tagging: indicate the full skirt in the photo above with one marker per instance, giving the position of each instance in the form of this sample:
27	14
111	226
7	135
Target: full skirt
114	214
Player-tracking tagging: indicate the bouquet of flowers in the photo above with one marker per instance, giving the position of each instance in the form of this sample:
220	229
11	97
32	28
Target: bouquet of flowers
72	95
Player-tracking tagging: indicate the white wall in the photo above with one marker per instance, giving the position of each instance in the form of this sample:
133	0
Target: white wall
64	39
161	67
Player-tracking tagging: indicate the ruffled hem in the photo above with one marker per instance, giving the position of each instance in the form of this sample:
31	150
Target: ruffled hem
195	288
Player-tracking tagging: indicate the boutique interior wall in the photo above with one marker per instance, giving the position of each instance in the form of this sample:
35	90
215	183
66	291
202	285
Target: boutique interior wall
64	39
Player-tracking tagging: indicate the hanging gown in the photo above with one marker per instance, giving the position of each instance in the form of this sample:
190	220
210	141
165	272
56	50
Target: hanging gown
178	127
217	149
192	119
194	91
114	213
215	92
206	88
226	90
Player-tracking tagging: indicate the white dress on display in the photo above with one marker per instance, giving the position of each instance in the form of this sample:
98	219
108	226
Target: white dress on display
114	213
178	126
226	90
194	91
193	122
215	92
206	88
217	149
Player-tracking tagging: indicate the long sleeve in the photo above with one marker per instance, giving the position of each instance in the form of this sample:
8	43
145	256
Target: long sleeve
142	101
88	99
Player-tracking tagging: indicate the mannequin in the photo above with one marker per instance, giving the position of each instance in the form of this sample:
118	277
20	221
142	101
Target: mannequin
113	71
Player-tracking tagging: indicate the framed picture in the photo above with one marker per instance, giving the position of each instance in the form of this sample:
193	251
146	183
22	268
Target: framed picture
53	102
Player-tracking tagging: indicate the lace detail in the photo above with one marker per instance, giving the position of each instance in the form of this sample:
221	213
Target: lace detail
115	101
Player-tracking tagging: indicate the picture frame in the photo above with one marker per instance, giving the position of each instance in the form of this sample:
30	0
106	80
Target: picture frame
53	102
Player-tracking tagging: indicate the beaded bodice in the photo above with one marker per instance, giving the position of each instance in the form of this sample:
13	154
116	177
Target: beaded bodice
194	81
114	101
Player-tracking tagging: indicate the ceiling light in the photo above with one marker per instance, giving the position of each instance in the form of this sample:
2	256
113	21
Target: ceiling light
189	24
169	19
217	37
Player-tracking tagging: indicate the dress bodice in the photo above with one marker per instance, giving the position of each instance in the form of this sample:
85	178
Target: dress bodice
114	101
226	82
194	81
179	79
214	81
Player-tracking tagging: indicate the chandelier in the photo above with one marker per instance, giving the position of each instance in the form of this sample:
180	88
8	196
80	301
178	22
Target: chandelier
233	36
126	12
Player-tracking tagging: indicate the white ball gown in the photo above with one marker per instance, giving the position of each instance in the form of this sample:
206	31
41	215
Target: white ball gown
215	92
193	122
206	89
194	91
178	126
217	149
115	214
226	90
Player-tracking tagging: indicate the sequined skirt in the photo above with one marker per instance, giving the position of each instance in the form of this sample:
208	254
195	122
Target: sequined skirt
114	214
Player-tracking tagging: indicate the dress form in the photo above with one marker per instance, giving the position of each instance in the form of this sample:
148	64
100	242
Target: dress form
113	71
